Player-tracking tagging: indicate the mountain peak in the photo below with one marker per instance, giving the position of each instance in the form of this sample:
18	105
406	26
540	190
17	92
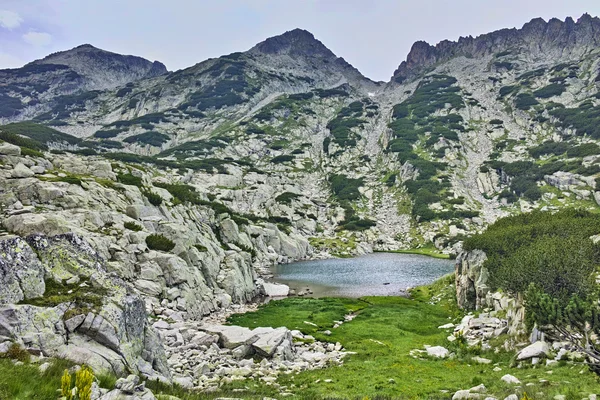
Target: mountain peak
297	42
103	69
535	37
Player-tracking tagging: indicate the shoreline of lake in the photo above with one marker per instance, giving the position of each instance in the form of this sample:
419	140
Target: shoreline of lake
374	274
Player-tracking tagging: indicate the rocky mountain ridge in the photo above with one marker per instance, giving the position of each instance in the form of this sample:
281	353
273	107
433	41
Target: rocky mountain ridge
536	38
60	76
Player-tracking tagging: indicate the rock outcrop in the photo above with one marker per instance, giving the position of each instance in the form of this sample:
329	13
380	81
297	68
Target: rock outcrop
61	302
473	293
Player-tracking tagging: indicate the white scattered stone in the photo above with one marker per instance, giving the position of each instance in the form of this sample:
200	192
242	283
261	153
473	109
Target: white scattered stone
510	379
437	351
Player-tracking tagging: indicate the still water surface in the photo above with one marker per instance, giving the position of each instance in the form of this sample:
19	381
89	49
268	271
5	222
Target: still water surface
377	274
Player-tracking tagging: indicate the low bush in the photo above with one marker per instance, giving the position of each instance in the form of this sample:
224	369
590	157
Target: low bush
159	242
153	198
282	159
151	138
132	226
553	89
554	251
128	179
286	197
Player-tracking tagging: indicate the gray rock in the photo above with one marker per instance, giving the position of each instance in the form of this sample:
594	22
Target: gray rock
274	289
535	350
21	171
267	342
7	149
21	272
73	323
129	385
231	337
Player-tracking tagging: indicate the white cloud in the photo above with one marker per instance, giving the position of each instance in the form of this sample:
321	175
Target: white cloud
38	39
10	19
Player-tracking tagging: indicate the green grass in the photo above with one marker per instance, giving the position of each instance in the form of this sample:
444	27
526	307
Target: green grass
19	382
383	333
424	251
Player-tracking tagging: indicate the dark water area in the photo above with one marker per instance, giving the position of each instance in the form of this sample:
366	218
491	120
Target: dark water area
377	274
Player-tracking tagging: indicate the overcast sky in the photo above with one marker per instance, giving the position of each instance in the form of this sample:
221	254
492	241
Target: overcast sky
373	35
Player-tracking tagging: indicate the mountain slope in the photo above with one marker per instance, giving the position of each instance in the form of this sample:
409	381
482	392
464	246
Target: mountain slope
465	132
103	69
62	78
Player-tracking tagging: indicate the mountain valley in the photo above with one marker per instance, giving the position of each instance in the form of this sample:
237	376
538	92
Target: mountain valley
137	203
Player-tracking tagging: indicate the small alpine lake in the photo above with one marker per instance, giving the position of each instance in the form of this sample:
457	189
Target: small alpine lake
377	274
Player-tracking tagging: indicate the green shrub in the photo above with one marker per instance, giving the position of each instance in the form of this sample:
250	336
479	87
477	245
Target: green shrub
338	91
551	250
30	152
128	179
532	74
132	226
341	126
585	119
159	242
390	180
553	89
358	224
108	134
10	106
281	159
525	101
16	352
506	90
39	133
345	188
73	180
18	140
286	197
153	198
584	150
504	65
79	297
549	148
152	138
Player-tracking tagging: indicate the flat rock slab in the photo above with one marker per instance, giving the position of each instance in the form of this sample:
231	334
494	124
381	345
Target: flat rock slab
275	289
231	337
268	342
538	349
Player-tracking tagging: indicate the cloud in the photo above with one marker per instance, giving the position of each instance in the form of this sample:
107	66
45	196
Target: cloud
10	19
38	39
